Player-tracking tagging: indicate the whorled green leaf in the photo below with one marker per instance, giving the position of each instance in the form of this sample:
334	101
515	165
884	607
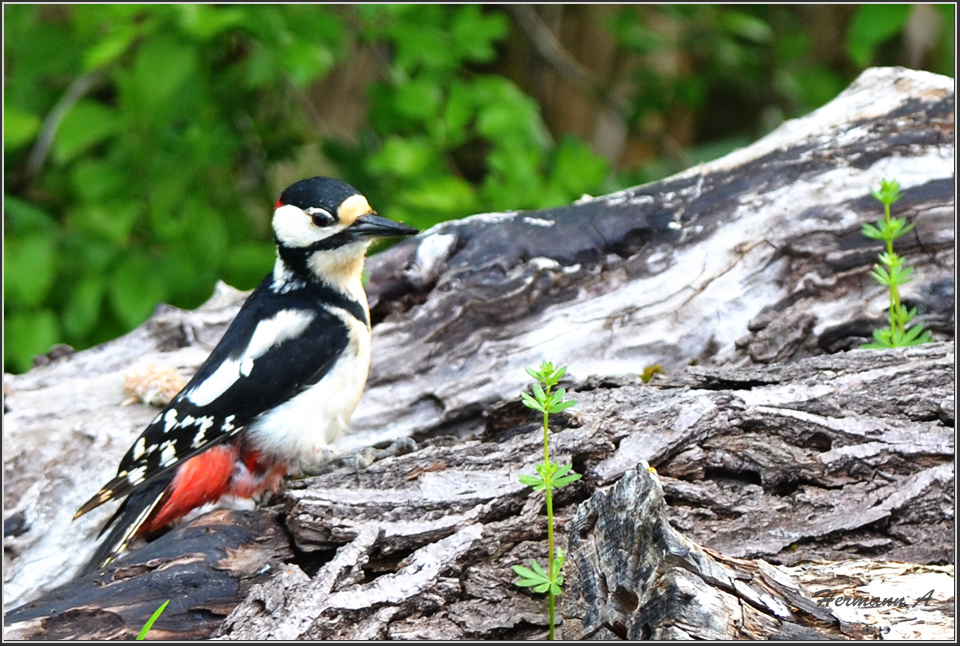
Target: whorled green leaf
538	394
532	481
561	406
530	402
888	193
565	480
880	275
873	232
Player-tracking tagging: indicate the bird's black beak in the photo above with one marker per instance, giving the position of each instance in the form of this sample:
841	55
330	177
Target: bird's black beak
374	226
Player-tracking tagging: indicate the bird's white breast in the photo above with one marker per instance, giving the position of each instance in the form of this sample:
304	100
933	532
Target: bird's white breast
303	427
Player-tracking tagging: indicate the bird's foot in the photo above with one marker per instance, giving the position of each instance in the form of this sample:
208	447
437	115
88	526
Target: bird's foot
366	457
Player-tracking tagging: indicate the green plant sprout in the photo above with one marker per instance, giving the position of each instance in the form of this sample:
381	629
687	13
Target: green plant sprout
893	274
147	626
551	476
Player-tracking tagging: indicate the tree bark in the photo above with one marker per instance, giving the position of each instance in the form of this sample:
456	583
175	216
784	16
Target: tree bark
781	445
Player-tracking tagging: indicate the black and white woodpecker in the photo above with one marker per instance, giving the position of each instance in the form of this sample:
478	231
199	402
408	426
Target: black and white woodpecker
280	386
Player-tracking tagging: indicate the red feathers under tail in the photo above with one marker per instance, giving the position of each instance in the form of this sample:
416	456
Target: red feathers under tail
226	469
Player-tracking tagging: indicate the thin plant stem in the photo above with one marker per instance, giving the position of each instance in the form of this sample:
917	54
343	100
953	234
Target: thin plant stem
549	499
894	291
547	401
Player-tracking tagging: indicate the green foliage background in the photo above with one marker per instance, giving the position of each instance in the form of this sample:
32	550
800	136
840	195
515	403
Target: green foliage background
145	144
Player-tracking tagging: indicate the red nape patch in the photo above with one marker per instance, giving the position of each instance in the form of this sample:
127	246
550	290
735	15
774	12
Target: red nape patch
278	204
201	479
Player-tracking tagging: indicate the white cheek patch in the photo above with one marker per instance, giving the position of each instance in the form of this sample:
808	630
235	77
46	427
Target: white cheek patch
294	228
270	333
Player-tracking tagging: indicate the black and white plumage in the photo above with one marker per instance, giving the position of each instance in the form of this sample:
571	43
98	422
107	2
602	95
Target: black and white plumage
279	387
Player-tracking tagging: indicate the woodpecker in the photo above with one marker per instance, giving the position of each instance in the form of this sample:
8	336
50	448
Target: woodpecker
280	386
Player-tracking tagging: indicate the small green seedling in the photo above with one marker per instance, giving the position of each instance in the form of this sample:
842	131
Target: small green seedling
550	476
650	371
893	274
153	618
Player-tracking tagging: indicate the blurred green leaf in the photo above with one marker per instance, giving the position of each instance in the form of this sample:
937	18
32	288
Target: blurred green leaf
112	220
29	269
748	27
247	264
83	306
818	85
474	33
439	196
97	180
576	170
27	334
633	34
19	127
206	21
418	99
873	24
404	157
306	61
22	217
135	290
154	83
86	124
110	47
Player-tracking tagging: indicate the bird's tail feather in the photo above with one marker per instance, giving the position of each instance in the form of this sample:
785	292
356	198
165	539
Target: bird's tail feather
129	518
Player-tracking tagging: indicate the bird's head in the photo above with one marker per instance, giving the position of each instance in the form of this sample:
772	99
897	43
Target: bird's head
323	226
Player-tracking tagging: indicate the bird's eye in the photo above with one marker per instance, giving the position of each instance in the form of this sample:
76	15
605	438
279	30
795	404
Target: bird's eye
320	217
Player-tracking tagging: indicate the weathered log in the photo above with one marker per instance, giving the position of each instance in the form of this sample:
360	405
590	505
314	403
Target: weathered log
202	568
426	540
753	259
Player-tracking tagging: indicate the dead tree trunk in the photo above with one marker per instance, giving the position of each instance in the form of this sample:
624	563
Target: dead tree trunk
774	446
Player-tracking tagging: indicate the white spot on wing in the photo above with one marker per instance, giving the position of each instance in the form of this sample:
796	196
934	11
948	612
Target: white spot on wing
169	420
270	333
135	477
216	384
246	367
168	454
205	423
139	448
